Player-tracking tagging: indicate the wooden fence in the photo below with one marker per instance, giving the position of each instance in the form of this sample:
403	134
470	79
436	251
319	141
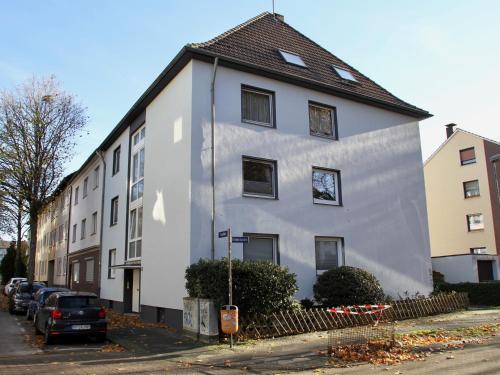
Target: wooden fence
284	323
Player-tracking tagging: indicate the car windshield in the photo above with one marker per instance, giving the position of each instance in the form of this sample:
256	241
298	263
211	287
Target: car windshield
77	302
25	288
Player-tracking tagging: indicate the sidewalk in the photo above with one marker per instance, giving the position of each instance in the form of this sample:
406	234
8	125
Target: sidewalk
294	353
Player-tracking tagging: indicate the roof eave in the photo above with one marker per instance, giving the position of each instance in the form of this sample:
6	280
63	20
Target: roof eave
205	55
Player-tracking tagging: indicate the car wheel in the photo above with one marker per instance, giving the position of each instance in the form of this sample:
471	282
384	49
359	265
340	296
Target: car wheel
48	339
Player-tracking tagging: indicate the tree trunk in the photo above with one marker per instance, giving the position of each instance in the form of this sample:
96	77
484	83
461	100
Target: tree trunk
18	263
33	239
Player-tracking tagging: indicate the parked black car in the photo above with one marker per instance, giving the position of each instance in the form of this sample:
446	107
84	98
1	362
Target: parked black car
21	296
71	313
39	300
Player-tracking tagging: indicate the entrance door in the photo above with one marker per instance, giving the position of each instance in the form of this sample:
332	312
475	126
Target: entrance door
485	270
50	273
136	286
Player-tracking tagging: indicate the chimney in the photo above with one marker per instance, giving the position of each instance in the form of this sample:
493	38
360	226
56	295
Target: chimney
279	17
450	130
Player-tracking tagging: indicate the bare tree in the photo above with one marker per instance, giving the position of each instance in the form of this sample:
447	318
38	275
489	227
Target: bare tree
13	218
38	126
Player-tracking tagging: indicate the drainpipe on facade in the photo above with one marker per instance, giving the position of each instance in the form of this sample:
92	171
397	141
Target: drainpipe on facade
212	118
494	159
99	153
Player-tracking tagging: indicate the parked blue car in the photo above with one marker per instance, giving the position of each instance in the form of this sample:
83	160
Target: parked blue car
39	300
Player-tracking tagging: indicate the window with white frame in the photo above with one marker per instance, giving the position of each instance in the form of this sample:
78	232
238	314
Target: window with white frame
475	222
111	263
89	270
76	272
257	106
65	261
329	253
96	177
83	229
94	223
61	233
137	175
135	242
322	120
261	247
114	211
259	177
136	192
326	186
85	187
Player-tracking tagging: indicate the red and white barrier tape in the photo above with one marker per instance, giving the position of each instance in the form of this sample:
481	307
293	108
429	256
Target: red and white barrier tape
360	309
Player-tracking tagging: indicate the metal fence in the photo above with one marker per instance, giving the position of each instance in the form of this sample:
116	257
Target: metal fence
284	323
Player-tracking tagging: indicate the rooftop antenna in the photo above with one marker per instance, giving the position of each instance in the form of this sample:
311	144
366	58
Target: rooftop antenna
274	14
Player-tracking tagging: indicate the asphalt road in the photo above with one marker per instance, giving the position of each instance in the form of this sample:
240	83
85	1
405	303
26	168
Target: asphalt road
12	336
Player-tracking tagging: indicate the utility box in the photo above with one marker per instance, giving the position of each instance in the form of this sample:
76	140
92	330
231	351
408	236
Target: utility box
209	322
191	317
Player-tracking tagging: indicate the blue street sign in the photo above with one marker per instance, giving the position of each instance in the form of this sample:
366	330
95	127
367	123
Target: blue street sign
223	234
240	239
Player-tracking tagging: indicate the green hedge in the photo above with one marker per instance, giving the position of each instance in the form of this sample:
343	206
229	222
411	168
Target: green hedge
345	286
258	287
482	294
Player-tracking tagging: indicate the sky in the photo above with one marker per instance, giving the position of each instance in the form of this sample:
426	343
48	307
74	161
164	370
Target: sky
442	56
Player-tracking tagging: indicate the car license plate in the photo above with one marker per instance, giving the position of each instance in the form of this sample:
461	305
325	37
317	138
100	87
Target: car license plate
80	327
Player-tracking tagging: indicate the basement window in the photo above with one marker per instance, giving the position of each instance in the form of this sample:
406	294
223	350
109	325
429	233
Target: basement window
292	58
344	74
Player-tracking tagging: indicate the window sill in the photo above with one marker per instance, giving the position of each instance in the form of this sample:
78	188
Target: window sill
473	196
113	224
248	195
476	230
329	137
326	203
263	124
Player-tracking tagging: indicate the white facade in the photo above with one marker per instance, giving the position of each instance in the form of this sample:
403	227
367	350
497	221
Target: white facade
85	227
84	205
114	234
463	268
383	216
382	219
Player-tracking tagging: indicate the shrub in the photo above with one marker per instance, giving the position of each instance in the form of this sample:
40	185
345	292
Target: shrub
307	303
482	294
258	287
345	285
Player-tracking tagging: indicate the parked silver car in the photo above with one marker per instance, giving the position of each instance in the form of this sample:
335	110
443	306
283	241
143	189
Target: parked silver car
12	283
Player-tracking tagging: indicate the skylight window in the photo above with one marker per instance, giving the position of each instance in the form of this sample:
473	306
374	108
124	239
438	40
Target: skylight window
344	74
292	58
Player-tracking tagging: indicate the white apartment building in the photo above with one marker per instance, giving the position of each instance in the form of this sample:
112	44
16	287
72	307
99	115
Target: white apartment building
85	226
261	130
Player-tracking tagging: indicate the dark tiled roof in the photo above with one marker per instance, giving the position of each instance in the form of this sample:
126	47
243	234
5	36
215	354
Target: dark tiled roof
257	41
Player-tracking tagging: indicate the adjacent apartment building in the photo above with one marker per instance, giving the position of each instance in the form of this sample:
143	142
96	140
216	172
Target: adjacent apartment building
463	205
53	225
264	131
